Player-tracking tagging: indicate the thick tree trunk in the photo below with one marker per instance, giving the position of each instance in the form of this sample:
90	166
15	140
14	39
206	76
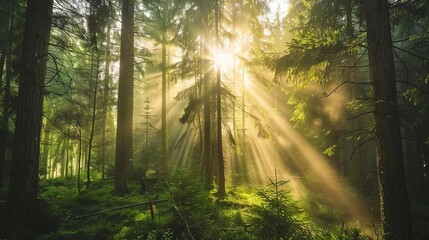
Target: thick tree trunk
124	134
25	159
4	125
393	191
2	62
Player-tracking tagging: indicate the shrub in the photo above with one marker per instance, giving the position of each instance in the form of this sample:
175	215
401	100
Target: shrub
279	216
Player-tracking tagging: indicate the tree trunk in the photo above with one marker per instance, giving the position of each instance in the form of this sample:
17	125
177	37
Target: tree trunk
198	94
63	157
72	159
93	116
45	151
25	157
2	62
163	159
221	161
67	157
395	209
208	162
242	165
79	160
235	157
105	102
124	134
4	127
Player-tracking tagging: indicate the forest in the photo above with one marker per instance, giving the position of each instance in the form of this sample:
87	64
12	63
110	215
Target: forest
214	119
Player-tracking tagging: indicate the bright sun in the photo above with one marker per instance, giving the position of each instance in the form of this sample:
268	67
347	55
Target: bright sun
224	60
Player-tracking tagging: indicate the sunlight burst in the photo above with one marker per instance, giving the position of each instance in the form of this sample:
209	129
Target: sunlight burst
223	59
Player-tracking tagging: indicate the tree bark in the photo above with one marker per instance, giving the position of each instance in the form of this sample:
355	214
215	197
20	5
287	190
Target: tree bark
395	209
221	162
79	159
2	62
25	155
105	102
93	116
4	127
124	134
45	153
66	173
208	162
163	159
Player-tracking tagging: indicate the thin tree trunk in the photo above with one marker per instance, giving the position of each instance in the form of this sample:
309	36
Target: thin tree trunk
208	162
93	116
84	157
242	165
105	102
63	157
26	150
79	160
124	134
71	162
163	159
67	156
45	151
395	209
198	96
221	161
235	157
50	167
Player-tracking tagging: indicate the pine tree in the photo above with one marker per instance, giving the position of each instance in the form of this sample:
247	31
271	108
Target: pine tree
24	169
124	134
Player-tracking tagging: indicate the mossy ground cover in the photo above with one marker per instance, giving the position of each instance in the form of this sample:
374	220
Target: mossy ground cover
184	209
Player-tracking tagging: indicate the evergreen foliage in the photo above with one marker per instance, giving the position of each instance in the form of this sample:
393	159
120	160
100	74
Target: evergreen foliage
279	216
217	94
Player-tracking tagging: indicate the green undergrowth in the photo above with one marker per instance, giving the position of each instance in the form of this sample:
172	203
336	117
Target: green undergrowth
184	209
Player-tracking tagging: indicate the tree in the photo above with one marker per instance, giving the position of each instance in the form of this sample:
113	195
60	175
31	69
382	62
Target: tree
124	134
6	58
395	208
325	44
96	24
92	99
105	96
25	155
164	152
221	161
207	150
159	26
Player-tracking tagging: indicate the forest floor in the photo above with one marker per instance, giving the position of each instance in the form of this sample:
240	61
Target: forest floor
184	209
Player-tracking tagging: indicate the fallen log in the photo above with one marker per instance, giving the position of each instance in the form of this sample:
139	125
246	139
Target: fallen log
117	208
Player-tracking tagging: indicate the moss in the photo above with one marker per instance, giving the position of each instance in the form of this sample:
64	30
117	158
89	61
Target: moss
192	209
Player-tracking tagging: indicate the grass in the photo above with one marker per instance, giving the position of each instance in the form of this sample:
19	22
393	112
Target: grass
190	212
